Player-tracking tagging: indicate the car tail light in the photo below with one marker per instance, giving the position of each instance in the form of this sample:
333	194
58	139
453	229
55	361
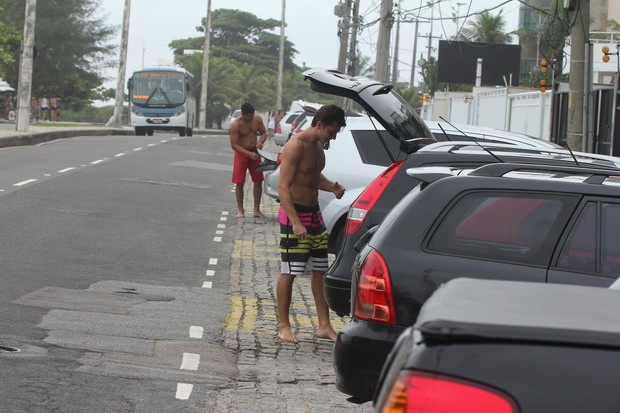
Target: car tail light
374	291
366	200
279	128
417	392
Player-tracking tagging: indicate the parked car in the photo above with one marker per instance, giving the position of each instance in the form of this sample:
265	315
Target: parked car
545	223
283	130
380	196
236	113
507	347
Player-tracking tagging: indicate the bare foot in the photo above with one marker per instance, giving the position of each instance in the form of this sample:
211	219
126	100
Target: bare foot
285	334
327	334
258	214
240	214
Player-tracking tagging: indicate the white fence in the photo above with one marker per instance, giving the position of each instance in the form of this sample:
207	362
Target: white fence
523	112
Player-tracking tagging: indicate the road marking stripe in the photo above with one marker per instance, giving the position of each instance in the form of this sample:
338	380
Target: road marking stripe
120	154
221	226
184	390
224	212
97	161
66	170
217	239
196	332
223	218
22	183
137	149
207	284
210	273
212	261
219	232
190	361
151	144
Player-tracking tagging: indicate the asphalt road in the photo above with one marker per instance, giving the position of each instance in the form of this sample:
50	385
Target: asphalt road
114	254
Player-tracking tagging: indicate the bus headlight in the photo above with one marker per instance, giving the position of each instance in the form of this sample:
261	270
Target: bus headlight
179	111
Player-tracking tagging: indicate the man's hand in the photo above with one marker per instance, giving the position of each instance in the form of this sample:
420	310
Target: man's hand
338	190
300	230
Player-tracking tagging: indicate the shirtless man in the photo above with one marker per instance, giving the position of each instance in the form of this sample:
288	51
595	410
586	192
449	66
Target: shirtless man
243	141
303	236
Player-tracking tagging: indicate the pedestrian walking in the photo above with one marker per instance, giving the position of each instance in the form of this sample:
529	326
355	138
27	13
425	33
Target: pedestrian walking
44	105
271	125
303	236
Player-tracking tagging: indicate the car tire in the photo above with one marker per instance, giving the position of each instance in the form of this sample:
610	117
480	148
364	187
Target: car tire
140	131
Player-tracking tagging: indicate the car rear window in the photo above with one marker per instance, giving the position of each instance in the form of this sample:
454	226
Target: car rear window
371	149
520	228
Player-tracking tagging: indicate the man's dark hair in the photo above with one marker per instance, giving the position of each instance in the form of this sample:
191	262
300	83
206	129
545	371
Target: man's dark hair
247	108
329	114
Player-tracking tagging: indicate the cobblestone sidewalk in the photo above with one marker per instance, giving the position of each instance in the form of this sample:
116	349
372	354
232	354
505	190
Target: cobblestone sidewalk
274	376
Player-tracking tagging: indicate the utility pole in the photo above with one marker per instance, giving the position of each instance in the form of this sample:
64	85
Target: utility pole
396	45
415	47
577	82
24	89
383	42
202	121
281	59
430	35
352	68
117	117
344	36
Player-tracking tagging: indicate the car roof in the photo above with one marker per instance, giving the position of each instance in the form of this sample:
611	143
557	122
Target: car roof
466	309
463	130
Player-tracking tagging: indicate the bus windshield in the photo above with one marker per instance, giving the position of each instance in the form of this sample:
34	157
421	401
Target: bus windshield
158	89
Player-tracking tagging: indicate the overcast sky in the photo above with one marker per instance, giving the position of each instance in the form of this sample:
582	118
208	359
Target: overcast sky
310	24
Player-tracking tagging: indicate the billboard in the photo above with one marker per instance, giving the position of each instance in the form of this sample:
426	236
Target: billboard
457	62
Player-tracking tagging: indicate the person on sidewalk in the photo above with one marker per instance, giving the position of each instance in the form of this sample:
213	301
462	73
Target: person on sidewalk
303	236
243	133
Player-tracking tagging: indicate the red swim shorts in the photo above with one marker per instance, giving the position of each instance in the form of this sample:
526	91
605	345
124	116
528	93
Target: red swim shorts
242	164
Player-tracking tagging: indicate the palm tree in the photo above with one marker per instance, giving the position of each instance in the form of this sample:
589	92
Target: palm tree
486	28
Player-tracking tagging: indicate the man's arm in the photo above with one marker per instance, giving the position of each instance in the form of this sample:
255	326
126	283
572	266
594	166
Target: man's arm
235	141
263	133
329	186
291	156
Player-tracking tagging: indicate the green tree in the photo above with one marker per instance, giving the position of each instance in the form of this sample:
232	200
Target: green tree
9	46
486	28
72	48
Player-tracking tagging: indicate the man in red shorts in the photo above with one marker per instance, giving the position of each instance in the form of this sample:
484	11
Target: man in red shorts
243	133
303	236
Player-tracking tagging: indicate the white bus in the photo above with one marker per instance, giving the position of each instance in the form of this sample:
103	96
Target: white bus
162	98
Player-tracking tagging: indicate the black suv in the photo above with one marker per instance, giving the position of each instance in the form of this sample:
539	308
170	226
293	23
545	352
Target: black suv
551	223
373	204
538	350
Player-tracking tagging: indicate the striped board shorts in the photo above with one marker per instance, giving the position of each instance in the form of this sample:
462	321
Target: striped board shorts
296	253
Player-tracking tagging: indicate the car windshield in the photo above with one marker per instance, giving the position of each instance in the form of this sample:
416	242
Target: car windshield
158	89
395	113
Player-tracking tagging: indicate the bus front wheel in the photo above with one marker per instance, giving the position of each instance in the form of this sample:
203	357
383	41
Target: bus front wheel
182	132
149	131
140	131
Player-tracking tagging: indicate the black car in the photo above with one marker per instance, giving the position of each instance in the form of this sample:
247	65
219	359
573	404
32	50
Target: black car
373	204
507	347
505	221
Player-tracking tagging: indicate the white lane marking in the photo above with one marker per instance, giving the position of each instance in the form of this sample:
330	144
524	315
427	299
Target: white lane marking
47	174
224	212
212	261
137	149
219	232
184	390
164	141
97	161
66	170
151	144
27	181
120	154
207	284
221	226
217	239
210	273
223	218
1	190
190	361
196	332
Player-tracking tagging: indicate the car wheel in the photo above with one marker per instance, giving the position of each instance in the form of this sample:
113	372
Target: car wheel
336	237
190	132
182	132
140	131
149	132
